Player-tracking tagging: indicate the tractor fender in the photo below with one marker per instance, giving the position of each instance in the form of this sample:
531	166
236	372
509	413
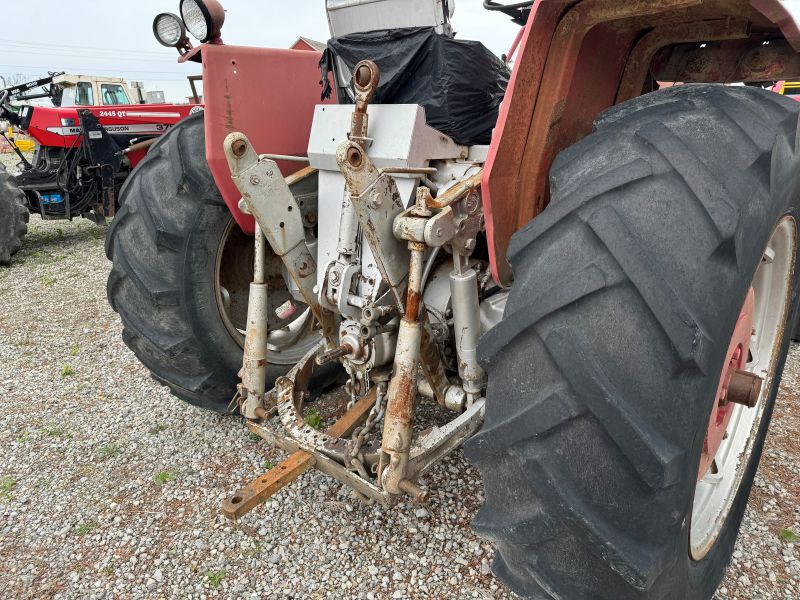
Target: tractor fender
268	94
577	59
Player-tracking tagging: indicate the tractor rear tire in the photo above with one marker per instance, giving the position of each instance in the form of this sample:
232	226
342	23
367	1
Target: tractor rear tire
165	244
14	217
604	370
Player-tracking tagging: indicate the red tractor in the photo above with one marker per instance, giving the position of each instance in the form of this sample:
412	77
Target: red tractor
85	149
587	278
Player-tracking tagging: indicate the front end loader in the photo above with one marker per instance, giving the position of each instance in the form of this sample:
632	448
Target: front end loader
588	275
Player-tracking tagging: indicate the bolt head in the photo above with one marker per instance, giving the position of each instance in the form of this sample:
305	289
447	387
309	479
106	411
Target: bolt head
255	179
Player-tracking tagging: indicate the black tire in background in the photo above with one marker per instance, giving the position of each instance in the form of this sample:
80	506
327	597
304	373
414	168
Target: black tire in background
164	246
13	217
603	372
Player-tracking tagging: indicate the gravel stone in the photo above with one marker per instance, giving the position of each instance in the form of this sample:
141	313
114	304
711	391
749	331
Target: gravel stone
85	432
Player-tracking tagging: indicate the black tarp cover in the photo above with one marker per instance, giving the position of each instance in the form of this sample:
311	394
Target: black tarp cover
460	83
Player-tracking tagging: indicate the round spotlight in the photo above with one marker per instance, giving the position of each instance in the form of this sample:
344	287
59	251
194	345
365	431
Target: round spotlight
169	30
203	19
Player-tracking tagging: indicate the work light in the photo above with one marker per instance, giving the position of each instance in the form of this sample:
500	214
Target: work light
203	19
169	30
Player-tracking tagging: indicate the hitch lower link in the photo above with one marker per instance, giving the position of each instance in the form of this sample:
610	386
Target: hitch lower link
387	470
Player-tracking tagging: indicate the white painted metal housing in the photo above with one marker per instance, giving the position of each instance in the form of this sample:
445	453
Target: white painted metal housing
355	16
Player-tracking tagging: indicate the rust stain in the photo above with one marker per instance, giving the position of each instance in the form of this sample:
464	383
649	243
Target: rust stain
413	301
400	409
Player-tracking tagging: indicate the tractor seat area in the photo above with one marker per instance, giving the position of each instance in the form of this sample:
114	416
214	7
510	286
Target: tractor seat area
460	83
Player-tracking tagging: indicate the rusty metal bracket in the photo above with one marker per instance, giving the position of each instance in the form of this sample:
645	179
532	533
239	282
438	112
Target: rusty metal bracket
366	77
728	61
641	58
267	485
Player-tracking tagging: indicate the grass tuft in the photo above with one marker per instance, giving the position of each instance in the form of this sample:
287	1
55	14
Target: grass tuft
215	577
85	528
165	477
789	536
7	485
109	451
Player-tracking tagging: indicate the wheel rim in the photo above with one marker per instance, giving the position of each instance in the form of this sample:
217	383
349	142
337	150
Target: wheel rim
290	323
733	428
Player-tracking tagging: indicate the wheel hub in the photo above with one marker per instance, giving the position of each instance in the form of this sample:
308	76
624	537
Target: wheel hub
722	410
289	322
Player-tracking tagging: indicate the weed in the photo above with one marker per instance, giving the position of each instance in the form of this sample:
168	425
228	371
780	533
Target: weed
55	432
74	351
7	485
252	552
109	451
215	577
85	528
157	429
66	371
254	437
47	281
268	465
165	477
789	536
313	419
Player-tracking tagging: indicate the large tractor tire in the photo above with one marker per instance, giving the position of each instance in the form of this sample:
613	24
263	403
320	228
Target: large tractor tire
13	217
671	237
181	275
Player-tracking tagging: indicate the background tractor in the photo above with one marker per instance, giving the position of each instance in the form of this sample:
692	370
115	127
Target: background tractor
86	146
584	278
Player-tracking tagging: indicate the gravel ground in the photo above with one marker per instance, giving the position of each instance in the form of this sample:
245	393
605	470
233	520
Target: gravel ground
10	160
110	488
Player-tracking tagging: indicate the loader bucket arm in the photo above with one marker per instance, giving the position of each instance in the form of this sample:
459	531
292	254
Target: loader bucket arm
577	59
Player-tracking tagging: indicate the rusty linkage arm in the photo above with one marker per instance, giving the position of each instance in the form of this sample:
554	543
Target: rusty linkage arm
366	78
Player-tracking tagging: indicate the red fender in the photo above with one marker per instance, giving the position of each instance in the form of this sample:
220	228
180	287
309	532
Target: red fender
265	93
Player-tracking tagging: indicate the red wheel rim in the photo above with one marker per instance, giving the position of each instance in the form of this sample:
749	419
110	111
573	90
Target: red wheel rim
722	410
